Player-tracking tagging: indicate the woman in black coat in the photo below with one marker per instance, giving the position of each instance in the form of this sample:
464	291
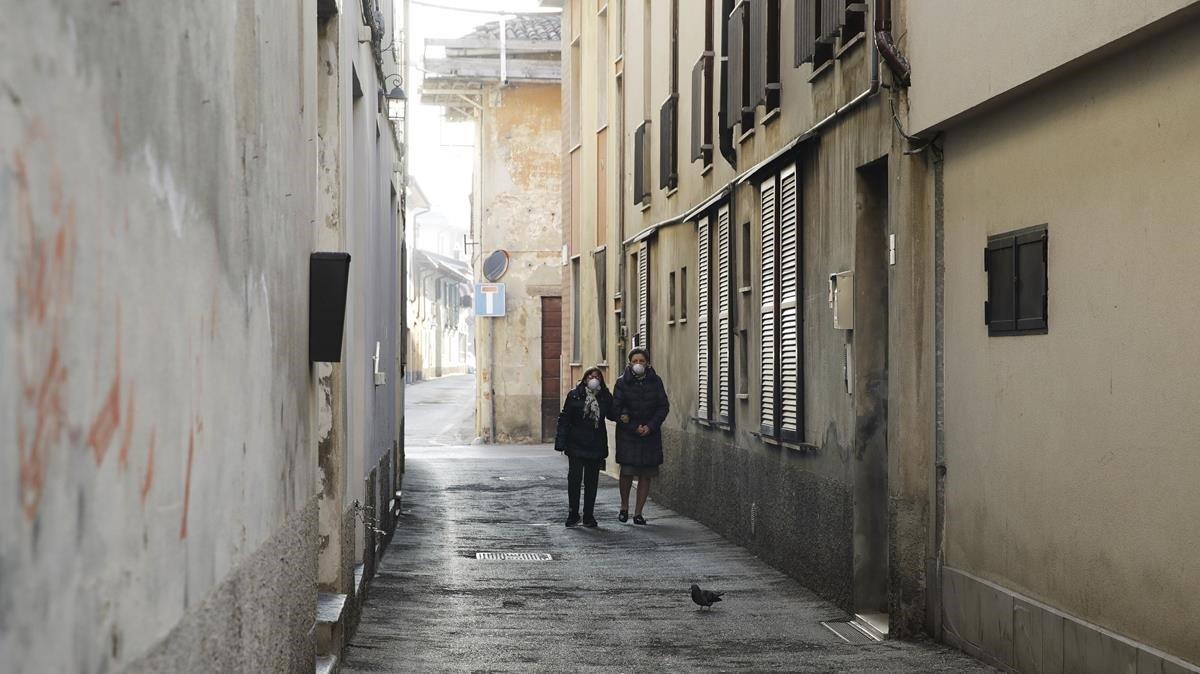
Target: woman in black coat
583	437
640	403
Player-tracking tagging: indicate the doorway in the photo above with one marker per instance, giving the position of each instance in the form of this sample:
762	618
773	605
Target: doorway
551	365
870	388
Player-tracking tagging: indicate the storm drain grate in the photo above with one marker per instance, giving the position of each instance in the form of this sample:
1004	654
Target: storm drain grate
515	556
848	632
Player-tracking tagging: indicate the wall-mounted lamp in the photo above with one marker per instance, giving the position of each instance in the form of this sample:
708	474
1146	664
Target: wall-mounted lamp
396	99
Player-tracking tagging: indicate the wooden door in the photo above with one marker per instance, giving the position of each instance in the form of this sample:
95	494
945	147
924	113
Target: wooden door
551	365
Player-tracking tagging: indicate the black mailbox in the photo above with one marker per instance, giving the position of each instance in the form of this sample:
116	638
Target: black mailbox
328	275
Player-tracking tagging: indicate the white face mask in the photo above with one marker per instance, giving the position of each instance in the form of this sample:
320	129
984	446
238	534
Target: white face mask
594	384
639	369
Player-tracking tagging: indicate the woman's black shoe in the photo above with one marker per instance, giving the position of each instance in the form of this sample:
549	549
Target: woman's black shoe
623	516
590	521
638	519
572	519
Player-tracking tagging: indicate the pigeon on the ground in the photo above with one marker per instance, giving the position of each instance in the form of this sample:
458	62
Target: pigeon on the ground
705	598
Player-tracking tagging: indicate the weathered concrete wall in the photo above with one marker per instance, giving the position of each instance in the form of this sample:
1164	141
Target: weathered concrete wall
519	203
1071	462
154	221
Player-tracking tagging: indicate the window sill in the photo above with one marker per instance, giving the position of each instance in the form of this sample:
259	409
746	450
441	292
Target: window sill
818	72
850	44
743	396
575	148
602	128
745	136
746	290
682	321
645	206
671	192
802	447
574	364
600	249
671	322
709	423
771	116
706	170
575	40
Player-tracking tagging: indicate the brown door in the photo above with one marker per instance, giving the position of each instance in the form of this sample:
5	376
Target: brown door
551	365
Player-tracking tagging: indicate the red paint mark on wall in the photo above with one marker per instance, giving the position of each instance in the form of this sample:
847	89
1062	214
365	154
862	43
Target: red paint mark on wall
187	484
46	401
108	419
127	439
149	478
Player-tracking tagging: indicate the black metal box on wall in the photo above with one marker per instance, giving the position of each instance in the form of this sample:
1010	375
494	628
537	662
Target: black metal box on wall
328	275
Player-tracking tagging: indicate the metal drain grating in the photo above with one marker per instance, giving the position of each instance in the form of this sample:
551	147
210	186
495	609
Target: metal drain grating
848	632
515	556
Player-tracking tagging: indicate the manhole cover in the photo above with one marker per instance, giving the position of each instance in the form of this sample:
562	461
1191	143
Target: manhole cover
515	556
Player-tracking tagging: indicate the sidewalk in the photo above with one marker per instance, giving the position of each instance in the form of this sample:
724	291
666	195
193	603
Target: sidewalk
613	598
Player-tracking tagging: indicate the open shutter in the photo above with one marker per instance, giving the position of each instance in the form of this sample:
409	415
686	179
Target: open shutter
758	53
1000	310
702	281
639	164
668	176
724	318
643	275
733	93
768	336
830	19
1031	280
698	109
806	31
789	307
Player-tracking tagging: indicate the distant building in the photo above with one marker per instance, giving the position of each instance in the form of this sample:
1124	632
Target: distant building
440	320
510	89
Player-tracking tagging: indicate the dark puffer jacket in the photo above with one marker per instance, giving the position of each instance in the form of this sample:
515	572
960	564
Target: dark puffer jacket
579	436
645	401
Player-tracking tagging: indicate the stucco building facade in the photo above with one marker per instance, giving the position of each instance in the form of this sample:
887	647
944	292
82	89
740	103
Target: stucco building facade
791	210
180	481
514	102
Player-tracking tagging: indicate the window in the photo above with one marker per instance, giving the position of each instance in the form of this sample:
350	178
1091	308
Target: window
668	172
780	381
641	165
724	319
1018	282
671	293
855	20
816	31
602	66
747	275
702	318
600	259
575	311
683	293
739	105
620	32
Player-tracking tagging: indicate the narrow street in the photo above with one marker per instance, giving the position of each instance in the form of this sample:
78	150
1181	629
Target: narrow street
613	598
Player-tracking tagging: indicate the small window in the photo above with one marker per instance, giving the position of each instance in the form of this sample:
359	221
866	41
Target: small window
747	266
683	286
1018	282
575	311
671	292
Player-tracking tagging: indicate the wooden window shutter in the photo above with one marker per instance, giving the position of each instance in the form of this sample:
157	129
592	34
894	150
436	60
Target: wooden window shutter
733	93
724	320
643	275
1032	290
1000	309
758	53
668	174
639	164
806	31
830	19
790	382
702	281
768	333
698	110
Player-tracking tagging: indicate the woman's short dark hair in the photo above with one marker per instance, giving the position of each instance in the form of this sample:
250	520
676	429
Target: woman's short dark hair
636	350
589	371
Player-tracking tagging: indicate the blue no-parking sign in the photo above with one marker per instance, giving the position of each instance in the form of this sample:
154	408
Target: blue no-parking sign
489	299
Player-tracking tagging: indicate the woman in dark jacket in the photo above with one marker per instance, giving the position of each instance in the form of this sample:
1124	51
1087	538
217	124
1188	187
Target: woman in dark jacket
640	403
583	437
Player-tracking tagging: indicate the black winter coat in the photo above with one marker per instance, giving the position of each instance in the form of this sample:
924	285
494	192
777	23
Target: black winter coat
579	436
645	401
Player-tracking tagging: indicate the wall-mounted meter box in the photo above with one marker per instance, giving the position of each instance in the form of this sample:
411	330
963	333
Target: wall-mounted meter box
841	299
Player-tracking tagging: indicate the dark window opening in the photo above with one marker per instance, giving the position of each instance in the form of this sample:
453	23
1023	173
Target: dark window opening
1018	282
668	169
683	286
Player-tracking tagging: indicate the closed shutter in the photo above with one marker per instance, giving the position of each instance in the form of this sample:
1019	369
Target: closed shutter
643	272
724	318
789	295
733	93
1000	310
768	360
698	110
1032	280
702	280
806	31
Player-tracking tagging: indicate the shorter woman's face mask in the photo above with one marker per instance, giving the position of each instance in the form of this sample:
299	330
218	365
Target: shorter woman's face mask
594	384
